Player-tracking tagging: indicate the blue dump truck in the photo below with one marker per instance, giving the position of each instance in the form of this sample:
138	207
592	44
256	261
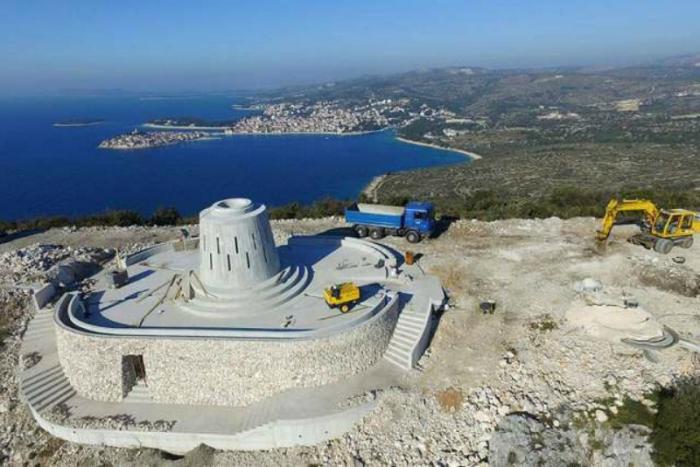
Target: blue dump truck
415	221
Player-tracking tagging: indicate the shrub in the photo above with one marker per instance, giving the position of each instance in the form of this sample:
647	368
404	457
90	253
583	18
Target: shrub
166	216
675	427
119	218
676	435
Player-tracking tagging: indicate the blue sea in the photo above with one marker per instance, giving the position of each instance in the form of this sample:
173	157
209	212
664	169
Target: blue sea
47	170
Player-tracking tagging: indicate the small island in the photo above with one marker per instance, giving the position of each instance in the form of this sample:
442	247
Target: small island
78	122
141	140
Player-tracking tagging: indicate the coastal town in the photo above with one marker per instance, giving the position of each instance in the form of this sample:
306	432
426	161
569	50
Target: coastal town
320	117
141	140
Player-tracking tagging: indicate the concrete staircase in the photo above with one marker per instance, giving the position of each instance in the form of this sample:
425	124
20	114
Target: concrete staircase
412	330
139	394
47	386
409	334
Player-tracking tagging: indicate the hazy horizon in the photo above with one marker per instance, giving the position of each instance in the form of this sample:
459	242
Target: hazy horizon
47	48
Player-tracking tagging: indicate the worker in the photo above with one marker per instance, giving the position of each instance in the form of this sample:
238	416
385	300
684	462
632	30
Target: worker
673	226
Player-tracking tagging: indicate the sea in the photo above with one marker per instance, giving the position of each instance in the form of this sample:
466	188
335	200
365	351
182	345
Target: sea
48	170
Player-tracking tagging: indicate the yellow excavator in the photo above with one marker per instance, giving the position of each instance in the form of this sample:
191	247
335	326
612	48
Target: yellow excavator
662	229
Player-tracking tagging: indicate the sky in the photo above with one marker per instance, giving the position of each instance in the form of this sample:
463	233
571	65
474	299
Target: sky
213	45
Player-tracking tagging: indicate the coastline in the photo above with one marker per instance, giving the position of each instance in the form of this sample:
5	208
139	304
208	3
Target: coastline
309	133
370	190
156	126
472	155
259	133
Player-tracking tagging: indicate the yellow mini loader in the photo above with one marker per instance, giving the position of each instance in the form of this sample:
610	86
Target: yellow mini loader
342	296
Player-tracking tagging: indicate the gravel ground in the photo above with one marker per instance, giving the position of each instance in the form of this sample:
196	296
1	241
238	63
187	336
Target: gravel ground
519	386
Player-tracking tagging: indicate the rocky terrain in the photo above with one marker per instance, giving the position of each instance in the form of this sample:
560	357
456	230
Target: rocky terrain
526	385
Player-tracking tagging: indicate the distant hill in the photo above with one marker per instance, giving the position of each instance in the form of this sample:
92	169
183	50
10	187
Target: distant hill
539	130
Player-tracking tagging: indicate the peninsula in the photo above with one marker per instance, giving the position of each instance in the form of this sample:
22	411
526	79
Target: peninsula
141	140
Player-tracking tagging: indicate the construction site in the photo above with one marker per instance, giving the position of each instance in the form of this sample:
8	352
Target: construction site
542	339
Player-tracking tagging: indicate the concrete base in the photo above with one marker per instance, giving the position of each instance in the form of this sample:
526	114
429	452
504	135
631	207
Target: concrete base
296	417
303	415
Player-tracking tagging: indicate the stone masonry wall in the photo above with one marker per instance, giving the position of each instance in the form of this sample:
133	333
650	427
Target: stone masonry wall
220	371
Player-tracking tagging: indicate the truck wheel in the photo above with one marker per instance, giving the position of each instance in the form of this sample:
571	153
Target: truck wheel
413	237
663	246
344	308
361	231
376	234
687	242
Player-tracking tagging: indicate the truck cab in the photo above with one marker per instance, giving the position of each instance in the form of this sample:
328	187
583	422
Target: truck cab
419	216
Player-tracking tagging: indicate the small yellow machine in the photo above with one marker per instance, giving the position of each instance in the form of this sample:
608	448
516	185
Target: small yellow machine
342	296
662	229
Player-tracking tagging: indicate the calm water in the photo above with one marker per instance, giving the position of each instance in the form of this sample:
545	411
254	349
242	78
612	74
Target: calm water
47	170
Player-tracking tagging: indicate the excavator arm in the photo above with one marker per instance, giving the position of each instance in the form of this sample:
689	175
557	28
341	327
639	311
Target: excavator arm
615	207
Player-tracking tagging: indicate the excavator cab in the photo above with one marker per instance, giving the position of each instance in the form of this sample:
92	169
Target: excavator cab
676	223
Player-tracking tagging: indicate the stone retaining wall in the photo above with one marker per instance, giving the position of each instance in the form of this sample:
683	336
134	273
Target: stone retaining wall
235	372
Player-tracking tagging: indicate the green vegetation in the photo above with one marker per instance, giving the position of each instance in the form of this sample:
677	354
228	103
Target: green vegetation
564	202
166	216
541	133
676	435
191	121
170	216
675	426
117	218
544	324
322	208
633	412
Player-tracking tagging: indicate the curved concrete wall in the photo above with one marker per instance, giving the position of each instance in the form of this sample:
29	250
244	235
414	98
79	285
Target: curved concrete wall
212	371
237	249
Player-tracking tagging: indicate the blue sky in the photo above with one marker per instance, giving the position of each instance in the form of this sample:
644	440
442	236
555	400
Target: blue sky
47	45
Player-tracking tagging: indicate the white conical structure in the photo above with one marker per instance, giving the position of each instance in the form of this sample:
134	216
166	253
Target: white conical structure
237	249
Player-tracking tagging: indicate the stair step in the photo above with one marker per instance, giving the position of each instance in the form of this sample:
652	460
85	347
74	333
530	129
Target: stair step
39	384
413	313
41	374
411	318
401	346
61	397
397	356
402	339
31	329
409	326
412	334
394	361
39	397
43	318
